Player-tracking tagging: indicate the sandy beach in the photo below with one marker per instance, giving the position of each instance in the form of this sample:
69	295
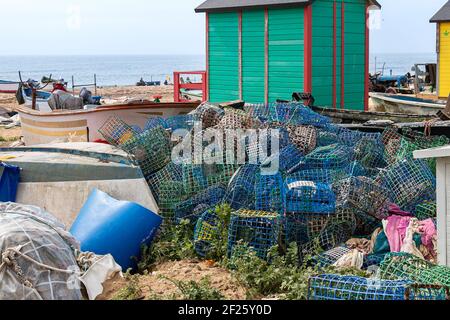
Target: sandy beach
110	94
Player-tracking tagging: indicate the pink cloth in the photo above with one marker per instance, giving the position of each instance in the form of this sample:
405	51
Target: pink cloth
395	210
396	231
429	232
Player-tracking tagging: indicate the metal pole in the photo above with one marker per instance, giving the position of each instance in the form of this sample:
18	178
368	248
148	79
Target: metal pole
95	83
33	98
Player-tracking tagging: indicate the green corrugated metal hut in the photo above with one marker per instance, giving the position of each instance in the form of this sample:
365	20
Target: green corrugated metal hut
264	50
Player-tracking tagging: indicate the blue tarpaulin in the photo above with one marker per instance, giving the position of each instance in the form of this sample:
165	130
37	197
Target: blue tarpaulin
9	181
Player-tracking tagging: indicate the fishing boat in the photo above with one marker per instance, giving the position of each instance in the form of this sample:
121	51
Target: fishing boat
8	86
60	177
393	103
40	127
42	98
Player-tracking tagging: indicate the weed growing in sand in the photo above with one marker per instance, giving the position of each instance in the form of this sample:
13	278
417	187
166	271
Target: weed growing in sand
132	291
219	243
192	290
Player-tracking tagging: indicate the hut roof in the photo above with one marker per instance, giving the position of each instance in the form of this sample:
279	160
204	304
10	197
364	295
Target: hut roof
229	5
443	14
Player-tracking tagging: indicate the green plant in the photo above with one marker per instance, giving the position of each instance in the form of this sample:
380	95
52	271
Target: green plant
192	290
219	243
174	243
132	291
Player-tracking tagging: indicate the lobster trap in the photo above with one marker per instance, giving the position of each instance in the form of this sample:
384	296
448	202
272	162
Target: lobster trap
289	158
409	183
156	122
308	197
116	132
363	195
331	256
151	149
180	122
304	138
301	229
192	208
171	193
407	266
332	157
205	232
325	176
336	287
171	172
241	189
270	193
258	229
426	210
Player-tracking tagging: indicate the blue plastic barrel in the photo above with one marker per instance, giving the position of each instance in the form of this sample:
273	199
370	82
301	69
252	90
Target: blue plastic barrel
108	226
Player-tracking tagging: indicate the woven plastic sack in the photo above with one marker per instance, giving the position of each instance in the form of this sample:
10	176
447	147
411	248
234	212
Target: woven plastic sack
29	233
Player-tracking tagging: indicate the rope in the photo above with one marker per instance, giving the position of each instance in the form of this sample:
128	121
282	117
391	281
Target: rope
9	259
428	126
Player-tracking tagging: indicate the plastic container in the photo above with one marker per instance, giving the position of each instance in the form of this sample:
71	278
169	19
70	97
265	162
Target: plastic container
108	226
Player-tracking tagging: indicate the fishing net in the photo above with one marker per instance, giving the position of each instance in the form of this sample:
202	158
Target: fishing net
301	229
309	197
237	119
192	208
116	131
205	232
185	122
241	189
156	122
364	196
289	158
209	115
318	175
336	287
151	149
171	193
29	237
409	183
326	138
406	266
270	193
258	229
373	260
197	178
370	154
332	157
304	138
426	210
171	172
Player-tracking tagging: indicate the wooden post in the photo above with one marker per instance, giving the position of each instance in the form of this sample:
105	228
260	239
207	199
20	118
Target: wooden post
33	98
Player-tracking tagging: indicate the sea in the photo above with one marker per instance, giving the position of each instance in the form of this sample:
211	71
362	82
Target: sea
127	70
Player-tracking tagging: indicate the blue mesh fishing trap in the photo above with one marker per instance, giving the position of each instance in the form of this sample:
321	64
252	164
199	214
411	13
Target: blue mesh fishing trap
270	193
258	229
332	157
309	197
171	172
156	122
409	183
335	287
241	189
205	231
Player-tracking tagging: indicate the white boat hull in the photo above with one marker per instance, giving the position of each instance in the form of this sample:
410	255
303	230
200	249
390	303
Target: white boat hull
8	87
393	104
83	125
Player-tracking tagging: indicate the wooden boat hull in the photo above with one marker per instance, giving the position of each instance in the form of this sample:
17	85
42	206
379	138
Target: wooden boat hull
83	125
60	177
8	86
392	103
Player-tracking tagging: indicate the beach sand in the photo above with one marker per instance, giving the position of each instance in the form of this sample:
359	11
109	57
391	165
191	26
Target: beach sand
111	94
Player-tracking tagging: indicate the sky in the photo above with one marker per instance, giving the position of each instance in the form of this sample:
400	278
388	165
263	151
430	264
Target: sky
51	27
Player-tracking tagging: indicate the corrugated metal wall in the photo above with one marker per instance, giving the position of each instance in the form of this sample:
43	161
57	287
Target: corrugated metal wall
223	57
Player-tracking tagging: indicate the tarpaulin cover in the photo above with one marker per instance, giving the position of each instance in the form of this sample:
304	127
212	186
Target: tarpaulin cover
9	181
36	235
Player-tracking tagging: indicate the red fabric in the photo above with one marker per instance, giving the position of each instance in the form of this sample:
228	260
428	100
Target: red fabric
59	86
101	141
395	210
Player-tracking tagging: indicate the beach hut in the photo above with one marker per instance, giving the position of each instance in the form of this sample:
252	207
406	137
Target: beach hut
264	50
442	19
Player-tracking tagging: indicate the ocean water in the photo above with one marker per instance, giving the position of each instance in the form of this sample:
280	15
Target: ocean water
110	70
127	70
399	63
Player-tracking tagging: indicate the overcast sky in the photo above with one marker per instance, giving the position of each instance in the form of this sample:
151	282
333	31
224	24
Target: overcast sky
169	27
